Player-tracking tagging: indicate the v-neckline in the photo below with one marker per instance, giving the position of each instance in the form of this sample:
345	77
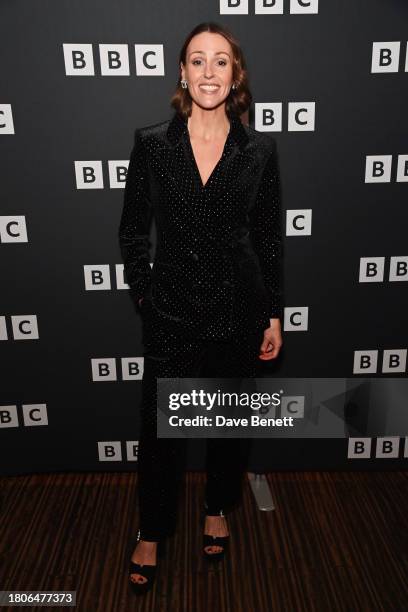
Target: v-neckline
193	160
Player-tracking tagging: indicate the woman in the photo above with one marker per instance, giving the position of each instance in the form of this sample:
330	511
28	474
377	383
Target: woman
212	303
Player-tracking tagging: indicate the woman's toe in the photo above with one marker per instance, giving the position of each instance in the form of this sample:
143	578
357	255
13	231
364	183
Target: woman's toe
137	578
213	549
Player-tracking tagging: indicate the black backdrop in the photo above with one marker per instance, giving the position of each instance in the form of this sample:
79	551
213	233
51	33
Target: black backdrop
57	317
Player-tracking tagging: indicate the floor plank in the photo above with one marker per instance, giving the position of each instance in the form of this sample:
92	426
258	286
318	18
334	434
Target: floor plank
336	541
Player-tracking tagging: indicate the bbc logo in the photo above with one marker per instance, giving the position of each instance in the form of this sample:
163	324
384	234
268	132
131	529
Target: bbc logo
270	7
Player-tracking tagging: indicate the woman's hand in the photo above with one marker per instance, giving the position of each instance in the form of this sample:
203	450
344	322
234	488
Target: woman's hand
272	341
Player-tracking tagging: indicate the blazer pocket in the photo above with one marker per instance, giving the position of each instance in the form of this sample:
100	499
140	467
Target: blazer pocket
168	290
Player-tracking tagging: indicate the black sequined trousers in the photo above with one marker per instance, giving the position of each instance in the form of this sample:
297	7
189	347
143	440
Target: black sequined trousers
161	461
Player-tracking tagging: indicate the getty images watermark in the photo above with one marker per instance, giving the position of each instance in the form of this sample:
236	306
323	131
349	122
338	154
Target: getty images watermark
281	407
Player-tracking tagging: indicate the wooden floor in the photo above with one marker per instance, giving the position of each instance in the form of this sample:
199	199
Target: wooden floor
336	541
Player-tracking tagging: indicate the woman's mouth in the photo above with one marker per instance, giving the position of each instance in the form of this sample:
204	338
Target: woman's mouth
209	89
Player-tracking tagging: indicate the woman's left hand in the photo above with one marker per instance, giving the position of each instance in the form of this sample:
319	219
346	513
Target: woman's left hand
272	341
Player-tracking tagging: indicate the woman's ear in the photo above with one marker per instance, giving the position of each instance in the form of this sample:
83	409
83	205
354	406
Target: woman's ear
182	70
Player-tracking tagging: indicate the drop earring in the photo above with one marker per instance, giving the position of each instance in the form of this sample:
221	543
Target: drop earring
183	83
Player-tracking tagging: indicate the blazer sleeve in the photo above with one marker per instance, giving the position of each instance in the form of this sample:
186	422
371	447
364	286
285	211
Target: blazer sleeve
266	231
135	223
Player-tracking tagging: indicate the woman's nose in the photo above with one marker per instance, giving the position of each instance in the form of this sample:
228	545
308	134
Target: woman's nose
208	72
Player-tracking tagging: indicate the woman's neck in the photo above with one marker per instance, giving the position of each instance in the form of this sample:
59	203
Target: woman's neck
208	125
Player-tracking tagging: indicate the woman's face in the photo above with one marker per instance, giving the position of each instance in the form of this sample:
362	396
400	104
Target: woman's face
208	69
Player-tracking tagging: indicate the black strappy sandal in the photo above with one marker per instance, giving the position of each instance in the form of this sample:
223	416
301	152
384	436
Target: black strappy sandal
210	540
147	571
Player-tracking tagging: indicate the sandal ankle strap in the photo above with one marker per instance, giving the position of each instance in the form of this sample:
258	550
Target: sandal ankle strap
210	540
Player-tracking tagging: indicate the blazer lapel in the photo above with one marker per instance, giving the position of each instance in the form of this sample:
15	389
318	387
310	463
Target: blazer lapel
178	162
233	157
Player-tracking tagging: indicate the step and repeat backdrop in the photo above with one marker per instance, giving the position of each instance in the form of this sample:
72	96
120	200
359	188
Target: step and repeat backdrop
329	82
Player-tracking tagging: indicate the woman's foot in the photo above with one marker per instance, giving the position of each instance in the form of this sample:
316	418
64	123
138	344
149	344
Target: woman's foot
145	553
215	526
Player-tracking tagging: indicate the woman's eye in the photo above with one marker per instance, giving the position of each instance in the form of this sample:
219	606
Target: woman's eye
220	62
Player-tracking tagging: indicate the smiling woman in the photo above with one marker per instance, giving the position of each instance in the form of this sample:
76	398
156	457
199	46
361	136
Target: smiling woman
209	74
211	305
208	70
211	55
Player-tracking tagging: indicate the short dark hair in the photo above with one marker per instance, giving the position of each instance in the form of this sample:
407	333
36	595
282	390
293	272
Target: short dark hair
239	99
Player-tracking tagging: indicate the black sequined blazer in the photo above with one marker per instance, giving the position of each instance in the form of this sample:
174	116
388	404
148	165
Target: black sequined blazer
217	269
